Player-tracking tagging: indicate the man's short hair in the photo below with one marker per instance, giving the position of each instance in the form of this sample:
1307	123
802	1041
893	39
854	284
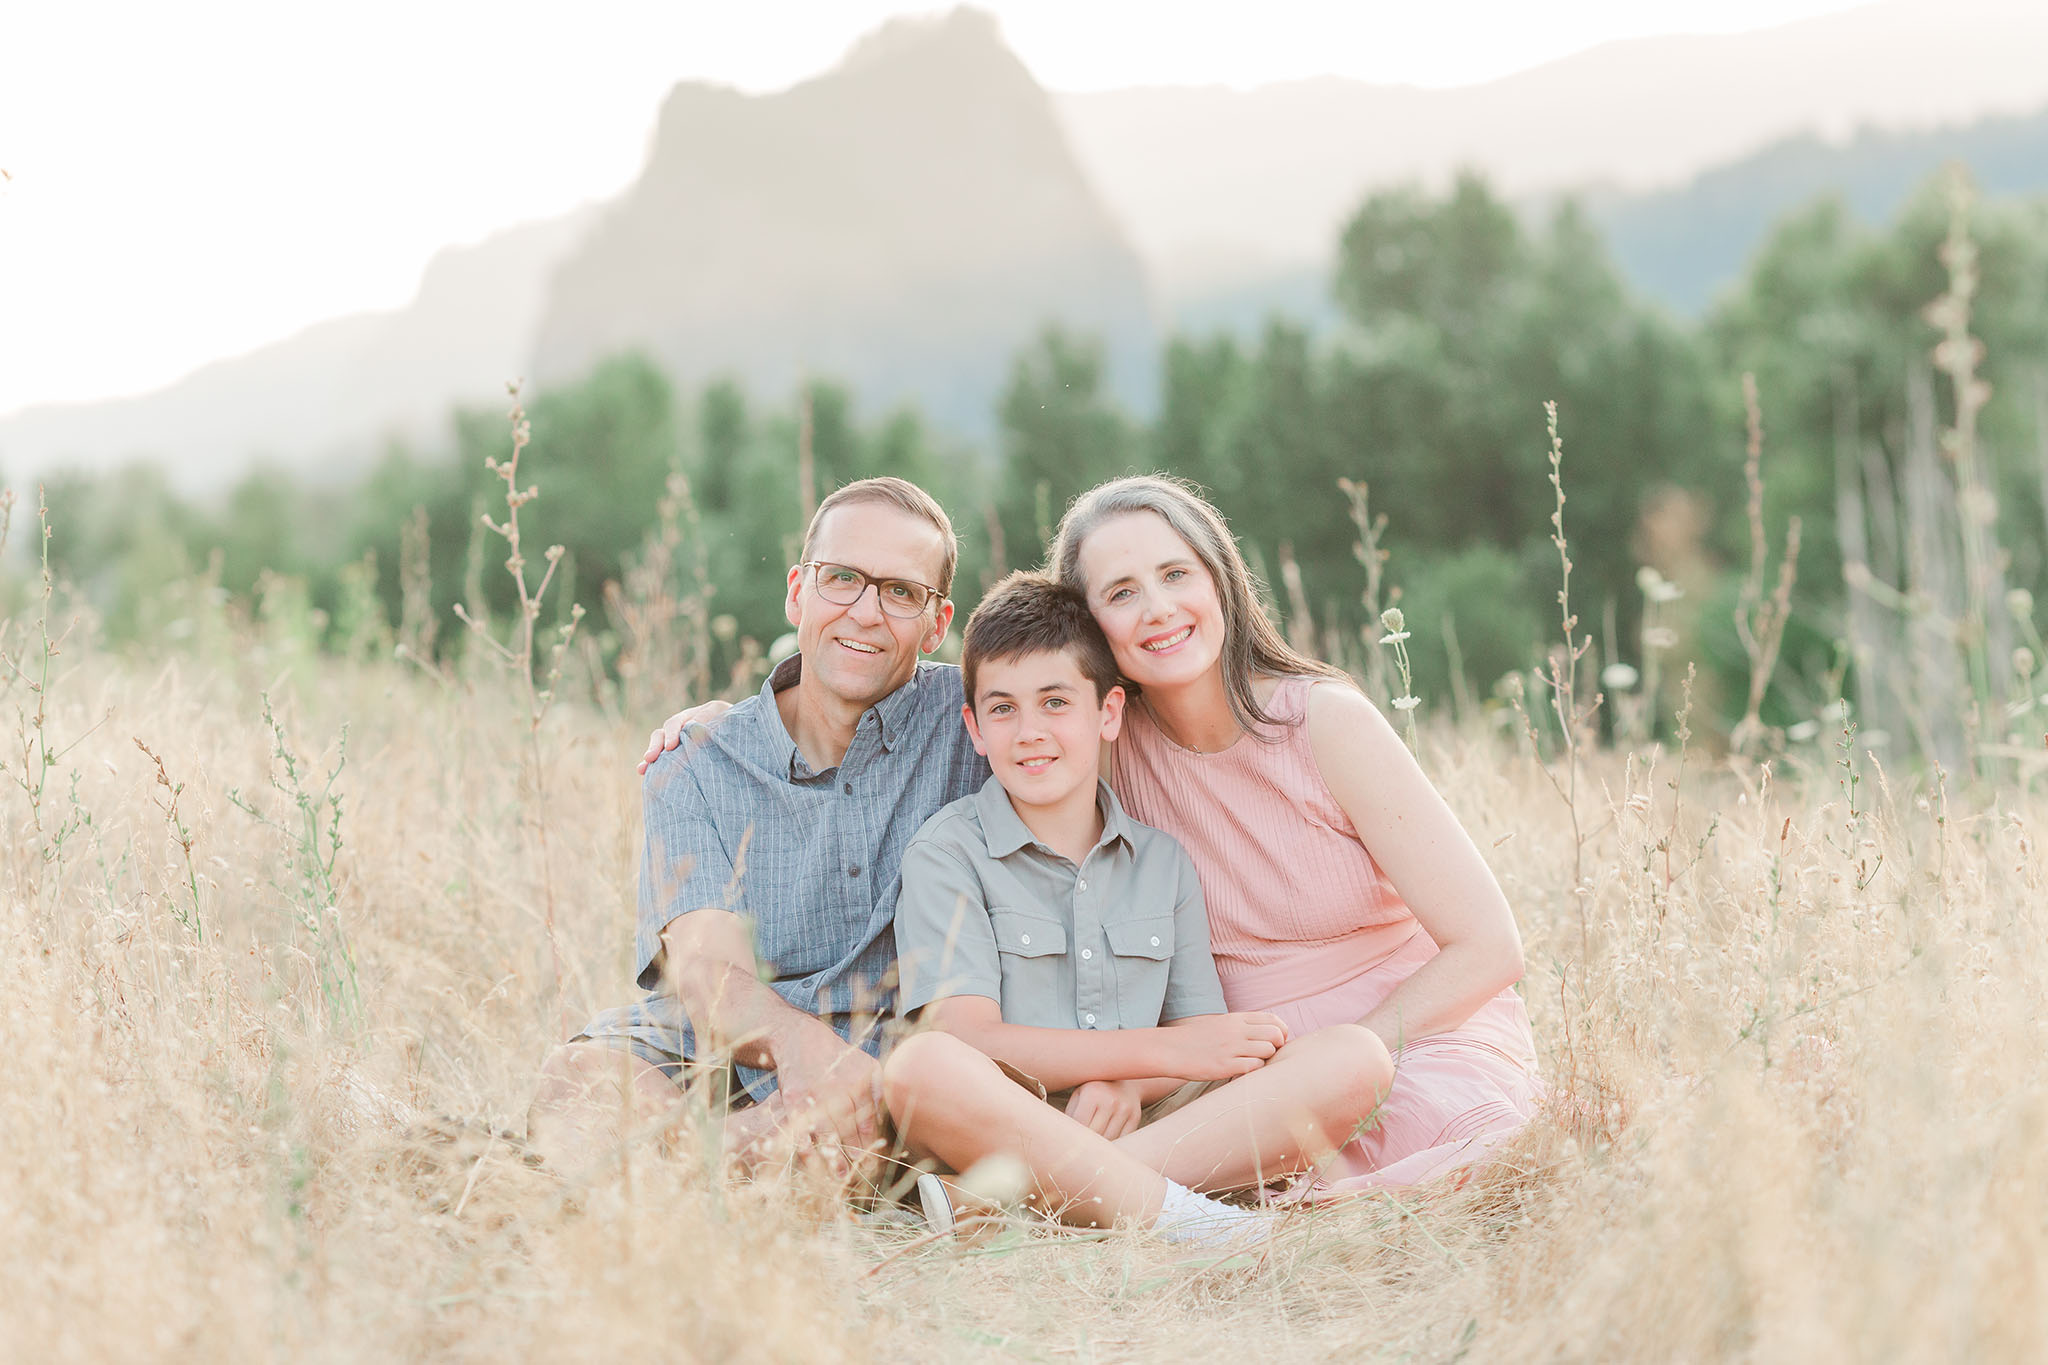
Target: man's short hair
897	493
1033	613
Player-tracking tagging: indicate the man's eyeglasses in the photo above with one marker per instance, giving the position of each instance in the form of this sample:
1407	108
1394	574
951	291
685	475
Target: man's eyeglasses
843	585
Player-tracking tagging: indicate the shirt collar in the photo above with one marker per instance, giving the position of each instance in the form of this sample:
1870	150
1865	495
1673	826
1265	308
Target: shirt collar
891	713
1006	831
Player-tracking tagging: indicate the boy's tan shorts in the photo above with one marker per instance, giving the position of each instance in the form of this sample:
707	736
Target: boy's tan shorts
1151	1113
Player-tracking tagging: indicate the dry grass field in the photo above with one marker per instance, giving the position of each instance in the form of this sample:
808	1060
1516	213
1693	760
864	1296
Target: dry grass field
269	1030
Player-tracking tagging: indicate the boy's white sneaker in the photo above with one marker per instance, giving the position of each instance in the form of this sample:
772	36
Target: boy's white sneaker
937	1204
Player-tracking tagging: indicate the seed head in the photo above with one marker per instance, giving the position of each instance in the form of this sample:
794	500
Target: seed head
1393	620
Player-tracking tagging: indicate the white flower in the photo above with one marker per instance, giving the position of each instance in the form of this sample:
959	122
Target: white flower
1407	703
1397	635
1619	677
2020	603
1393	620
1666	591
1659	637
1803	731
1648	579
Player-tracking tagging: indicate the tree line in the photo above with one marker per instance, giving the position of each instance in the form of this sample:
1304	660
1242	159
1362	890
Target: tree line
1424	408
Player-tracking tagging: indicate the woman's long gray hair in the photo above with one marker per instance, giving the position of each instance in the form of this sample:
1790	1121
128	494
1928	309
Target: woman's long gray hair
1252	645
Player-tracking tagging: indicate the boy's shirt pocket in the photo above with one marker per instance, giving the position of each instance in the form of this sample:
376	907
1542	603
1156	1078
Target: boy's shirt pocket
1142	953
1038	980
1027	933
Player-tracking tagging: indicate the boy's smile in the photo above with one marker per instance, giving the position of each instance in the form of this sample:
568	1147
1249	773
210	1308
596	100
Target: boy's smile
1039	723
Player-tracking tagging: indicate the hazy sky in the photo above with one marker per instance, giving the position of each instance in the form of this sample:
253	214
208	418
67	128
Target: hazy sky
192	180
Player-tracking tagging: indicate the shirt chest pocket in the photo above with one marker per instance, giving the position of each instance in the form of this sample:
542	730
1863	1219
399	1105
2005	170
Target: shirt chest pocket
1024	933
1142	950
1037	986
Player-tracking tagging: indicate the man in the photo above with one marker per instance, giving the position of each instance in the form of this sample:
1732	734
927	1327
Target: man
772	856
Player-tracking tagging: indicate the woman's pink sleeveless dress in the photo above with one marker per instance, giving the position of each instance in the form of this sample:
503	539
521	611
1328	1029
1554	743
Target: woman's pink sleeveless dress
1304	924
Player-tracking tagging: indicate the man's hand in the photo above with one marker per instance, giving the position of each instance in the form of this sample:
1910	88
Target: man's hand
1111	1108
831	1092
671	732
1220	1047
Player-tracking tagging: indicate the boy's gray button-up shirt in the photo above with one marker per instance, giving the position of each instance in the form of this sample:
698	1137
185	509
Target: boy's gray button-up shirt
739	821
1122	941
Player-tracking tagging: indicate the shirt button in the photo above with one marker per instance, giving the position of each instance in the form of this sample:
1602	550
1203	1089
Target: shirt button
1089	1018
1087	953
1024	939
1155	940
853	871
1081	885
849	789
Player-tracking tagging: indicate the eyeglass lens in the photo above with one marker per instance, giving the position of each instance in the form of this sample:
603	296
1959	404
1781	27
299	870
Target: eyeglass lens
842	585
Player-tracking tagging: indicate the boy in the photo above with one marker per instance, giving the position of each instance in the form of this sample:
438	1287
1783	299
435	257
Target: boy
1061	952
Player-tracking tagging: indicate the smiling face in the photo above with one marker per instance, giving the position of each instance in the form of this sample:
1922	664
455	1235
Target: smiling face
1037	720
859	654
1154	599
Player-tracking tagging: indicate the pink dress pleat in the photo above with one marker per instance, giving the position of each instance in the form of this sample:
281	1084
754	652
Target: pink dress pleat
1304	924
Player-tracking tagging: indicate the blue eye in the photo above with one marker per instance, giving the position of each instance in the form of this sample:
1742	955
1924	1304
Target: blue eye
1172	574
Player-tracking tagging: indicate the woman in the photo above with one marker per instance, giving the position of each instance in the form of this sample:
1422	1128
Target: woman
1340	887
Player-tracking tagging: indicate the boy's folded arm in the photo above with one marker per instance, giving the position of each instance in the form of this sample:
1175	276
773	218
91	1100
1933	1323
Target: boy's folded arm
1058	1058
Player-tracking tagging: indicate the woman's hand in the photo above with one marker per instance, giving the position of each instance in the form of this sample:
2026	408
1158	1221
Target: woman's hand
671	732
1111	1108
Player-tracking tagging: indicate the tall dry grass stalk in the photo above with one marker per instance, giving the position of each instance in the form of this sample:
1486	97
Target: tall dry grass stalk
1759	619
519	658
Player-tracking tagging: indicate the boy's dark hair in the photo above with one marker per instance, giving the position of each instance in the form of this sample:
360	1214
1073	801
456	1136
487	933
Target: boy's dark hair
1032	613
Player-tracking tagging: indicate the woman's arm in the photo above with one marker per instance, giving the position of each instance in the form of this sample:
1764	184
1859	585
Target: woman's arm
671	732
1417	841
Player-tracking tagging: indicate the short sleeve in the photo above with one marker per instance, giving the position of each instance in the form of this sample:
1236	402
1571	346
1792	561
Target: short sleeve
1192	986
944	943
684	863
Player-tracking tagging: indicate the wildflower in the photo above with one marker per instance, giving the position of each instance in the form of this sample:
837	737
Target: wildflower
1803	731
1660	637
2020	603
1407	703
1393	620
1656	587
1618	677
2023	661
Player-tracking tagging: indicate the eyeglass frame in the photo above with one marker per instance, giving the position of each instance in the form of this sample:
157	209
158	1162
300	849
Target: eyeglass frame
868	580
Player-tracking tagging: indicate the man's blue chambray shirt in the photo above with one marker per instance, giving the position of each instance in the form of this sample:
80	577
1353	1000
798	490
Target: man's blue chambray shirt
738	820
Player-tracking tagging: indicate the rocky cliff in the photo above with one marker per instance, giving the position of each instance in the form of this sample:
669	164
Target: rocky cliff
903	223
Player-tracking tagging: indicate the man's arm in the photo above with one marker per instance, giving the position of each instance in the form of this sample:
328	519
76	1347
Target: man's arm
694	945
826	1083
